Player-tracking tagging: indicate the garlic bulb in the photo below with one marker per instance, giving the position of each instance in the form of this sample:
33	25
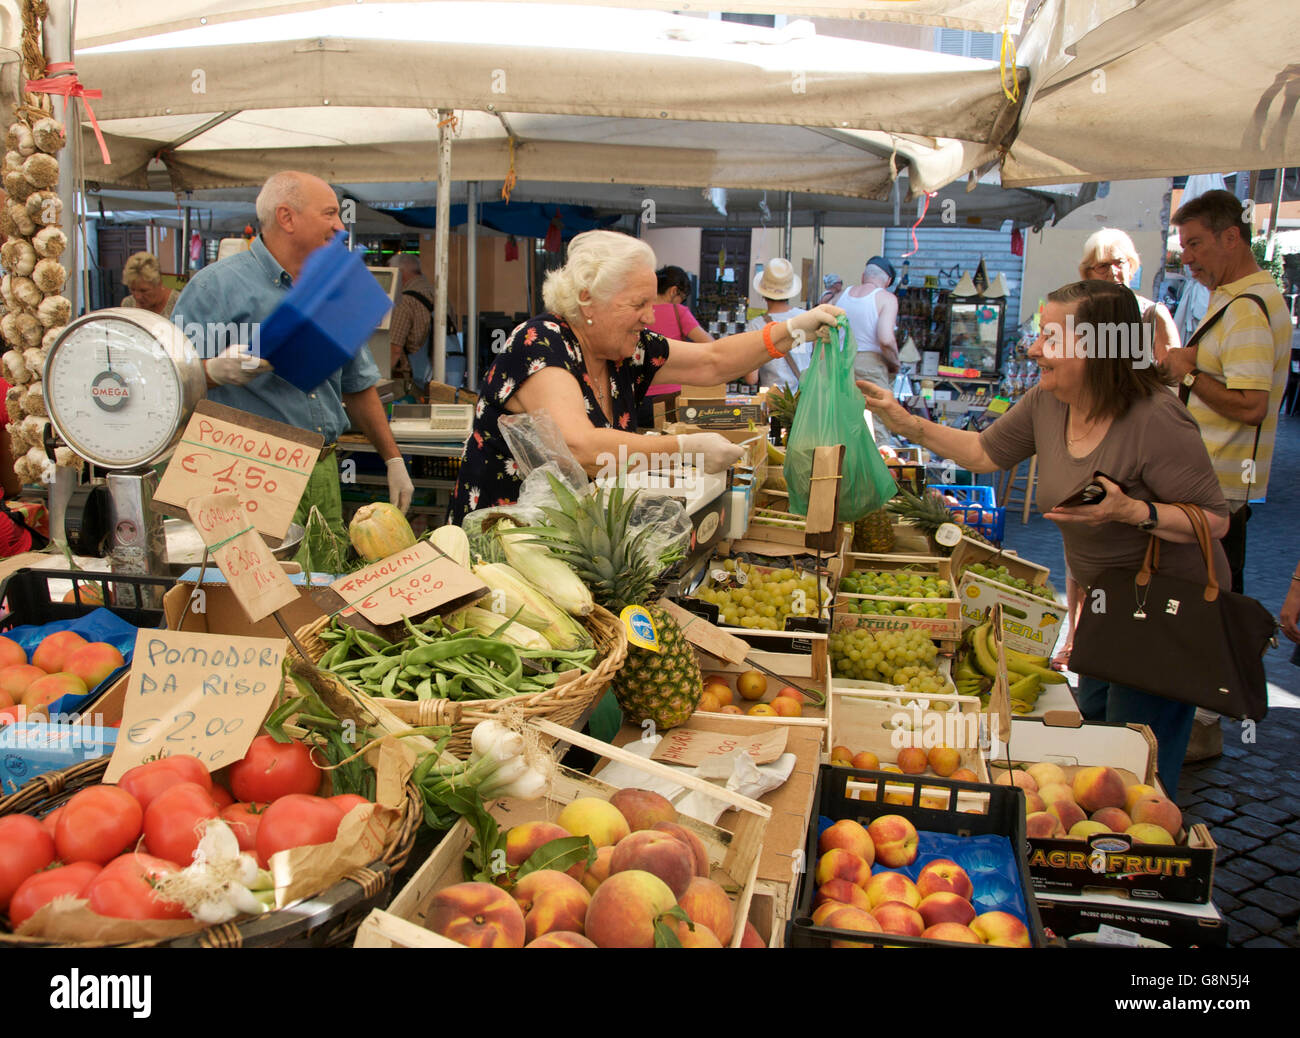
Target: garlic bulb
14	161
13	403
23	223
25	290
19	441
15	370
48	135
66	458
51	334
54	311
34	358
38	460
7	293
7	226
49	242
41	170
17	186
49	276
44	207
30	331
34	427
18	256
9	330
24	471
34	399
20	139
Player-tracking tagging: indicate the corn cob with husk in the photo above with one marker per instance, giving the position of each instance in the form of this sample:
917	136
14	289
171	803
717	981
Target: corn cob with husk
523	602
536	563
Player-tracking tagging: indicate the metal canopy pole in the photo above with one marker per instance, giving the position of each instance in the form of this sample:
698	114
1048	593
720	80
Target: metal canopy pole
469	334
441	242
814	290
788	251
1279	176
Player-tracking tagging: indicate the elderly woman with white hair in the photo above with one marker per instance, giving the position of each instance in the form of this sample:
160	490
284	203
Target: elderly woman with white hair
143	280
1110	255
588	362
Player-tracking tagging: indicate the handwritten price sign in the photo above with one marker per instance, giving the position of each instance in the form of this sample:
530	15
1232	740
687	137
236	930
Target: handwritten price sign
408	583
695	746
225	451
204	695
240	553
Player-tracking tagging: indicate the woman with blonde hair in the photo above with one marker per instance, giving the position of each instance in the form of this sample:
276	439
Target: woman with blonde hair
588	362
143	279
1109	255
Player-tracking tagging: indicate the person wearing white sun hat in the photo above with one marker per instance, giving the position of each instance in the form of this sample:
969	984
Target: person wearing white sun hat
777	283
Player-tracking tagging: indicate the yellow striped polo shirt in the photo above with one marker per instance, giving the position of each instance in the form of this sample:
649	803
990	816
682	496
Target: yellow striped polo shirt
1243	351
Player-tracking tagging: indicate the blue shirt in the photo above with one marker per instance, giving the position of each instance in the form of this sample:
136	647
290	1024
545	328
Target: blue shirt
226	303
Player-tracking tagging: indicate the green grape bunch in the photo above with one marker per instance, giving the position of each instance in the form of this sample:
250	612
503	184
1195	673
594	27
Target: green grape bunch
896	584
1001	575
864	655
761	600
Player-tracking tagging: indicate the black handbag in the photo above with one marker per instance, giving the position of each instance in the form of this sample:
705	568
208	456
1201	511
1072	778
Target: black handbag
1178	639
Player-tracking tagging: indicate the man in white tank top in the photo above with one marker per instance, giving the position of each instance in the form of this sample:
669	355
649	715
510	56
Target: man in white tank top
873	312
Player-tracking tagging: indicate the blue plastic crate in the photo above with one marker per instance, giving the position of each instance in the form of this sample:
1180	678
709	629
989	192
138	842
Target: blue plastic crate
987	497
325	319
975	516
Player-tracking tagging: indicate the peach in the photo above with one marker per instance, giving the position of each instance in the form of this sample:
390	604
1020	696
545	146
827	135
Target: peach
762	710
46	690
943	760
1068	813
1113	819
1098	787
790	692
719	690
55	648
1001	927
1136	792
6	700
523	839
697	936
94	662
897	917
844	892
837	863
14	680
707	904
624	910
850	835
944	876
1046	774
1016	777
699	852
964	775
1056	791
787	707
591	816
708	704
560	939
1082	830
730	709
892	886
865	761
751	938
1148	832
477	915
951	932
846	917
1041	825
551	900
911	760
894	838
643	808
598	871
657	853
842	753
11	653
752	685
945	907
1155	810
1033	803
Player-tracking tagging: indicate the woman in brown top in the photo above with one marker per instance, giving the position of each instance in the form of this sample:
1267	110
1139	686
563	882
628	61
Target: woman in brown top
1100	406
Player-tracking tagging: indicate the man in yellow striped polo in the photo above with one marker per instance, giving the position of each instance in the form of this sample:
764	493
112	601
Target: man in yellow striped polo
1236	370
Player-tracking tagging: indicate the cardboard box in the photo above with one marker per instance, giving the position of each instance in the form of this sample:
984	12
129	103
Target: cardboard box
718	392
1108	862
1029	624
722	414
946	629
1106	920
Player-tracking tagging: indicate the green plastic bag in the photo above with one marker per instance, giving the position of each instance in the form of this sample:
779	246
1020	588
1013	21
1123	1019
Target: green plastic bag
831	411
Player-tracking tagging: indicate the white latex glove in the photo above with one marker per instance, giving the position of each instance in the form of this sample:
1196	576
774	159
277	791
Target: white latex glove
805	326
718	452
400	487
235	366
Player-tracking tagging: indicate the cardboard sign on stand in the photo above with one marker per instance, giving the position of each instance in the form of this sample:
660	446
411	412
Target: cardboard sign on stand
224	450
203	695
407	583
241	554
824	498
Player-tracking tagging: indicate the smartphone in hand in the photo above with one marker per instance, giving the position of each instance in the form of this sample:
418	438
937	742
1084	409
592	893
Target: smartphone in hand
1089	494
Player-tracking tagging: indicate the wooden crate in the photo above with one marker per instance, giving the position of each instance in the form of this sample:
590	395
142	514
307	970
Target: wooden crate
946	629
733	856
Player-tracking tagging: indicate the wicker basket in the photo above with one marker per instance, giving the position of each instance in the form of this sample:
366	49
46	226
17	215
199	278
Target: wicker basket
328	919
564	704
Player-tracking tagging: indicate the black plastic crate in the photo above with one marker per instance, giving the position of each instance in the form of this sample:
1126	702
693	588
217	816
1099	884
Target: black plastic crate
1004	815
25	597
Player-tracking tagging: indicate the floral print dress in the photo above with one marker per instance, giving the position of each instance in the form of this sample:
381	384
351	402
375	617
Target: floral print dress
488	474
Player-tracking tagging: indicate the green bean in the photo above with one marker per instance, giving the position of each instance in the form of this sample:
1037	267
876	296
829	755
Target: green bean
390	679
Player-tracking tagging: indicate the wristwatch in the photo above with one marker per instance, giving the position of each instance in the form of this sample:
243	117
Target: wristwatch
1189	379
1149	523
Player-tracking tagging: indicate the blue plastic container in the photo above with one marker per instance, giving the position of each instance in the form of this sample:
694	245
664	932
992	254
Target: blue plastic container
326	318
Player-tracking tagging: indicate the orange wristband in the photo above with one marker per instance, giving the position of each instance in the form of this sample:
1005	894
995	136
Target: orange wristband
767	341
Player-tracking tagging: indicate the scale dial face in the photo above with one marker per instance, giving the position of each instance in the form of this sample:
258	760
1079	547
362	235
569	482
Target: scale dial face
120	385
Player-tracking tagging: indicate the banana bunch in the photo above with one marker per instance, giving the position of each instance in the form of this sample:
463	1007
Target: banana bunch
1027	674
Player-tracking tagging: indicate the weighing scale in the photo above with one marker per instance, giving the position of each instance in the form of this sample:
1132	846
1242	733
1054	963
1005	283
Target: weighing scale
448	423
120	385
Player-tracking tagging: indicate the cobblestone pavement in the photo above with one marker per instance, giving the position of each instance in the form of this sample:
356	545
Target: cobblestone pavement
1250	796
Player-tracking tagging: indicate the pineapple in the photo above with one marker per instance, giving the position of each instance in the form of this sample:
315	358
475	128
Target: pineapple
782	403
874	532
591	535
929	513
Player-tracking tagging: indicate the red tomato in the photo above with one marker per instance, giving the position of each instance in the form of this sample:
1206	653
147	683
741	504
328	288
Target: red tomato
146	781
124	889
191	767
25	848
51	820
296	820
171	821
97	825
42	888
244	820
271	770
221	796
347	801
